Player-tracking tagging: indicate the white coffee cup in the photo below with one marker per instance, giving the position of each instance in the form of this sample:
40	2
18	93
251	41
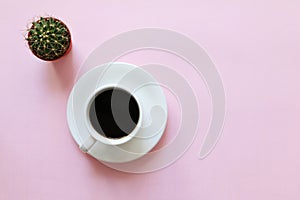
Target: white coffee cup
100	136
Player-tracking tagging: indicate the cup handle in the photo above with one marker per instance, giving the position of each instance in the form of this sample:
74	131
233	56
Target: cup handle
87	144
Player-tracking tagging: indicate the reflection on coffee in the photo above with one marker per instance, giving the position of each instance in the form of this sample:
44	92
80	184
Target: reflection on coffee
114	113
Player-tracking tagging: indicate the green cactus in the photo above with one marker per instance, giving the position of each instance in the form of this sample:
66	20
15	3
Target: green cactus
49	38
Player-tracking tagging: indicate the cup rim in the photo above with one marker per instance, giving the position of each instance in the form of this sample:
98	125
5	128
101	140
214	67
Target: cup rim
97	136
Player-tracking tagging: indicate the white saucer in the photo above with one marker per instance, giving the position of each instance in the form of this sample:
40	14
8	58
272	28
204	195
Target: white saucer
147	92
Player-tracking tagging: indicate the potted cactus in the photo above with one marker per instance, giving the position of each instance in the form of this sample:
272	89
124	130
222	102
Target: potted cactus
49	38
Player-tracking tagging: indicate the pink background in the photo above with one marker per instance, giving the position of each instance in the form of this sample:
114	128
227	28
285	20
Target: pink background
256	47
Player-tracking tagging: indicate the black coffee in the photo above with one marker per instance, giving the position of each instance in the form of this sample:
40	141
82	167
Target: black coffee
114	113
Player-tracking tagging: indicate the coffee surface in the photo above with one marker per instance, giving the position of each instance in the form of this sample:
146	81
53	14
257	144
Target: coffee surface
114	113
